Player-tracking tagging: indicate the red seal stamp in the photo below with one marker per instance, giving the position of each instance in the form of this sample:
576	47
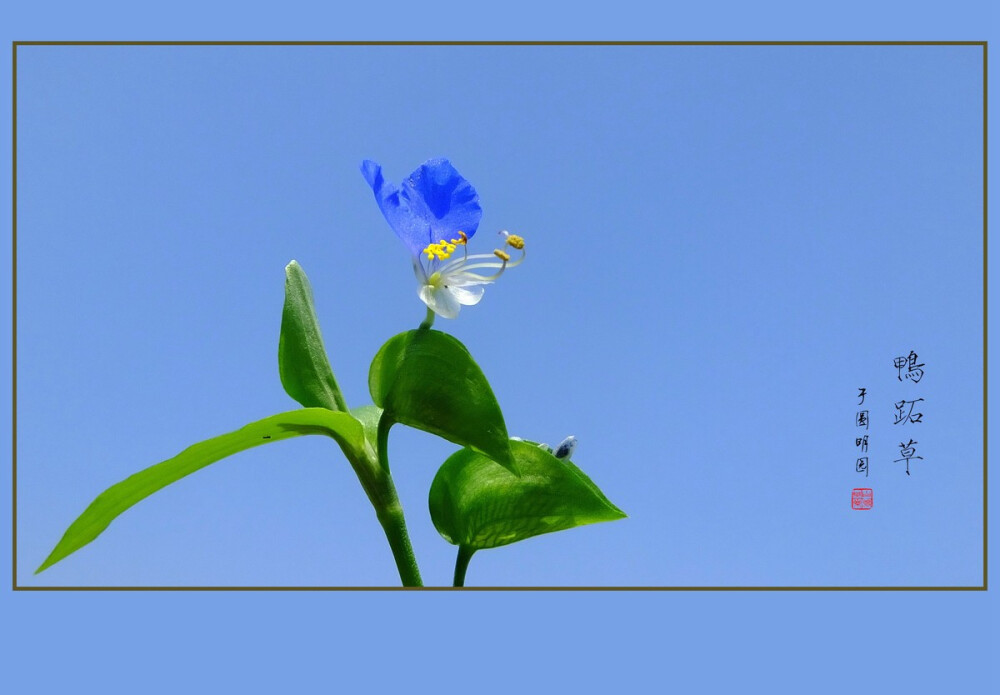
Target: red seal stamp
861	498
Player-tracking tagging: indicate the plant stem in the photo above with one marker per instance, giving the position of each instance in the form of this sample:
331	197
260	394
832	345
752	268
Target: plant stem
462	564
390	512
394	525
428	319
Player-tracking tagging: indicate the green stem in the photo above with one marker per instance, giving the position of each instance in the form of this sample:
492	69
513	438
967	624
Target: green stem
390	512
394	524
428	319
462	564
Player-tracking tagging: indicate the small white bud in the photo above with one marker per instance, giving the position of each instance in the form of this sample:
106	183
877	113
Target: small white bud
566	448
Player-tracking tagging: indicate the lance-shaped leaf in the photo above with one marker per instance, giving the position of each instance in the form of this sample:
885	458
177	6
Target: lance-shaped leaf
302	361
477	505
344	428
428	380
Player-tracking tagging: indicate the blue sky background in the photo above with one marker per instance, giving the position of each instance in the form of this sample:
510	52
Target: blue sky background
724	243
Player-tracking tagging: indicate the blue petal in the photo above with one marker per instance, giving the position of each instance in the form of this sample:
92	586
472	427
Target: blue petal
434	203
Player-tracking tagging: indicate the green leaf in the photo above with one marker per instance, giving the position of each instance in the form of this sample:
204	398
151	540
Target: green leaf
477	505
428	380
302	362
345	429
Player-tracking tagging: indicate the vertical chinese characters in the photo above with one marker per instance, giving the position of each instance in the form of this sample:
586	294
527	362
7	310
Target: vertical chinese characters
861	443
908	411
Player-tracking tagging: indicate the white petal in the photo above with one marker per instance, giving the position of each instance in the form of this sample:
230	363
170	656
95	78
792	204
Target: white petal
439	300
418	270
467	295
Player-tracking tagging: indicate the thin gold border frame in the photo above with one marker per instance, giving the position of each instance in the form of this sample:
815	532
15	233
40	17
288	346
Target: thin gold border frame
14	47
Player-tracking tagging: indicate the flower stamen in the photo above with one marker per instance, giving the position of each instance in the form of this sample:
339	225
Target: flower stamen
455	279
442	249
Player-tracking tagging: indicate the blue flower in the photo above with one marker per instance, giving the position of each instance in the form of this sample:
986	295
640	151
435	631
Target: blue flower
434	212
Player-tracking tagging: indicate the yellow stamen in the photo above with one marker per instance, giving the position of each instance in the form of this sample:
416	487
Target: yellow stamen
516	241
462	238
502	255
442	250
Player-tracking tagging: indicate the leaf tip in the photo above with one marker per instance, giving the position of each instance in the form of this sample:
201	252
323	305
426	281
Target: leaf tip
49	561
503	457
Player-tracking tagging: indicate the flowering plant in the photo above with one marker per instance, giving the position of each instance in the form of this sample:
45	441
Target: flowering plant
435	213
495	490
